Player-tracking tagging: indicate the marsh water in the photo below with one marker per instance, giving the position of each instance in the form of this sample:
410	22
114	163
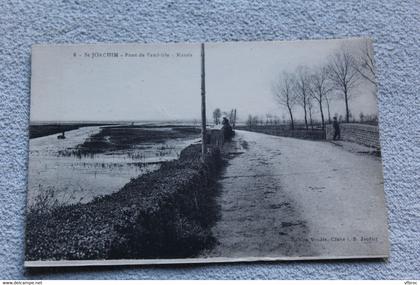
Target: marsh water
71	179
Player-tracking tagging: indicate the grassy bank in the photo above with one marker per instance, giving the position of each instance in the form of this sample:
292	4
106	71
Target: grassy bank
167	213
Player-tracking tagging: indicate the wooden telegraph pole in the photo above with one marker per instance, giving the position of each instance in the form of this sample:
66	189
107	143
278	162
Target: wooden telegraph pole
203	104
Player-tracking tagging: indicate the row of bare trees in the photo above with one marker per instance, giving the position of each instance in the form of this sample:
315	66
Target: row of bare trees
273	120
306	87
268	120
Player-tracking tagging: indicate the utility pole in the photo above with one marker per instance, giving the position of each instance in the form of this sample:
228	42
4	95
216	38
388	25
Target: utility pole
203	104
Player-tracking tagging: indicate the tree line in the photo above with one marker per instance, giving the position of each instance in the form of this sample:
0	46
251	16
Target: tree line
311	88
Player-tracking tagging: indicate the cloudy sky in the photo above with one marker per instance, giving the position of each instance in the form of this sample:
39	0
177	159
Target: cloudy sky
162	82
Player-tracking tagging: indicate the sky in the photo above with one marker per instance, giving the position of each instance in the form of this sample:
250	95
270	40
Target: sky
155	86
241	75
149	82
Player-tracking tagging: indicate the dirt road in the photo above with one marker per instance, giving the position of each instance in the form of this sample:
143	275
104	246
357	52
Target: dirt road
290	197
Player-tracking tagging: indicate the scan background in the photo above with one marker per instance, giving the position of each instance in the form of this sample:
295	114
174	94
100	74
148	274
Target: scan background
393	25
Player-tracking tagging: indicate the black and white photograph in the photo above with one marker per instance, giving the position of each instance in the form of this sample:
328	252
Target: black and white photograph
197	153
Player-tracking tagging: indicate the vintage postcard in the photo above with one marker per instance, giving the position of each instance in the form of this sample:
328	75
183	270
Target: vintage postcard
194	153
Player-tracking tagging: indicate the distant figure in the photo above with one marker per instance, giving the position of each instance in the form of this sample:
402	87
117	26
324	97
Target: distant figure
227	129
336	126
225	121
62	136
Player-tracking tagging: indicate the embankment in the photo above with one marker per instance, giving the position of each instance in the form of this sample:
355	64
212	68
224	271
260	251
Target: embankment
167	213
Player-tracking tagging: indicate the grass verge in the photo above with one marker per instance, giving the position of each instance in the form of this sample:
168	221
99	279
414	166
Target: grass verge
167	213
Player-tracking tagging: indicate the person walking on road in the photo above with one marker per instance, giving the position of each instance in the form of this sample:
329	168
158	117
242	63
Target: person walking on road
336	127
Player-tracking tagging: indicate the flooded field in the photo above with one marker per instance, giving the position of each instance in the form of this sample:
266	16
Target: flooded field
57	169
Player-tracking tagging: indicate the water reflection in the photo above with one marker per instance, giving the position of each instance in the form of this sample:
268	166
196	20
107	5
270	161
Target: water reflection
57	167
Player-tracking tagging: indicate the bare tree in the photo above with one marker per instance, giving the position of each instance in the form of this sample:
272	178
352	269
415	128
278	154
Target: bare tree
232	117
364	63
249	121
362	117
320	88
343	75
283	94
302	89
216	116
327	100
310	105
